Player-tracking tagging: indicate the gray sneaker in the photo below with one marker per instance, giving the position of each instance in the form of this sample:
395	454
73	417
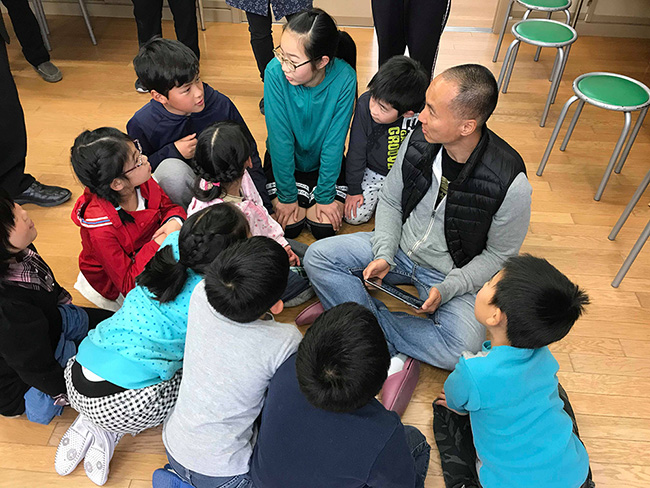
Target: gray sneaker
49	72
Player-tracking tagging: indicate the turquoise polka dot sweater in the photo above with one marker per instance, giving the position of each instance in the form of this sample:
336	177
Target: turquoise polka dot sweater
142	344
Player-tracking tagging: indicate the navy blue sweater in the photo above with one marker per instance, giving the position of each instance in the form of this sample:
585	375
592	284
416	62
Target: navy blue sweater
157	129
300	445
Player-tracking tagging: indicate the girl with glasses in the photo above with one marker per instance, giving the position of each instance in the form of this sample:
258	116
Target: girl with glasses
123	214
309	92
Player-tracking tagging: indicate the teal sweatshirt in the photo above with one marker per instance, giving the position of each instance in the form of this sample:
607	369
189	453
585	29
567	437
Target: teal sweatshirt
307	127
142	344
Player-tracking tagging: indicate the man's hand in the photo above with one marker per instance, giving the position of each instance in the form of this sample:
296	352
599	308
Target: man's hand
352	203
172	225
286	212
432	303
294	260
186	146
377	269
332	212
442	401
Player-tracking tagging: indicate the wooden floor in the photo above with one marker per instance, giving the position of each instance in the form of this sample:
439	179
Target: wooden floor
604	364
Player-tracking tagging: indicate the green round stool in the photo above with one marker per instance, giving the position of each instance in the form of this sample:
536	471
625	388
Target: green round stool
610	91
541	33
548	6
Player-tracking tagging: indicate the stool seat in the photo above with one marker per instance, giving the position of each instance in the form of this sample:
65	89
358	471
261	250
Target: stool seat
611	91
545	4
544	32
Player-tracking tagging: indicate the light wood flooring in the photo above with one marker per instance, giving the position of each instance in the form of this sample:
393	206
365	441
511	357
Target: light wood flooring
604	364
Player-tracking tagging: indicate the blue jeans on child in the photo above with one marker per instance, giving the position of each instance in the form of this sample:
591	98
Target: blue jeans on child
39	407
202	481
438	339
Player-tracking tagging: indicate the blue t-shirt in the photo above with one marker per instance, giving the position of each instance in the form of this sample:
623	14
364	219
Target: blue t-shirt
522	434
142	344
301	446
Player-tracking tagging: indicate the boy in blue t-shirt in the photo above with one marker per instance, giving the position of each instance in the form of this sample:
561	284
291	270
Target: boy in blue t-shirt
521	432
181	106
384	116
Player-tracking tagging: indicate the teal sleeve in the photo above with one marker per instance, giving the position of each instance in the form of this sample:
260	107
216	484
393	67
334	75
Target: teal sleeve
460	389
334	142
280	141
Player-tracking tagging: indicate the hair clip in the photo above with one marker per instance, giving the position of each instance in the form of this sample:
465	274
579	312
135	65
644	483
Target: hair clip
208	185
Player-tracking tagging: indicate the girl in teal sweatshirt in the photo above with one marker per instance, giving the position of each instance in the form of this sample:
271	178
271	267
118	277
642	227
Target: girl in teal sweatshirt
309	92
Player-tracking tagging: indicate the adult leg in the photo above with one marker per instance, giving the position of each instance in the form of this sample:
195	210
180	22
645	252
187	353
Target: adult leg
420	450
261	32
28	31
187	30
388	16
13	134
453	434
425	21
148	19
176	179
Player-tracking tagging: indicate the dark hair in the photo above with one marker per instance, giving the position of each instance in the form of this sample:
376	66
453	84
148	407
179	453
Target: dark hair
222	150
202	237
98	157
7	224
343	360
540	303
248	279
401	82
322	37
477	92
163	64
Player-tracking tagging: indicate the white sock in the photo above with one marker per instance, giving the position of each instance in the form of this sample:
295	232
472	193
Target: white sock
397	363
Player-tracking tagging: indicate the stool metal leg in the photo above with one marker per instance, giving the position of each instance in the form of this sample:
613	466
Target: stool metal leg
568	16
84	12
39	13
554	85
572	125
559	79
506	61
554	69
612	160
556	131
638	245
630	206
630	141
503	30
511	62
201	18
539	49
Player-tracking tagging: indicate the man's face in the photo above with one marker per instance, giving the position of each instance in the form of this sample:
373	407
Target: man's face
186	99
439	123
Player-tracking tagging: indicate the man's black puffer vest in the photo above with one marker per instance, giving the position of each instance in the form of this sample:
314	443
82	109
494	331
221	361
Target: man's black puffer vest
472	199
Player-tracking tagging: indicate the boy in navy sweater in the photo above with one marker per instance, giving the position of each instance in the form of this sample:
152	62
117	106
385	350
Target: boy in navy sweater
321	425
181	106
384	116
523	432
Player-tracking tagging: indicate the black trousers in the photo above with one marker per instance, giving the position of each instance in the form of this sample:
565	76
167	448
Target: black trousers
417	24
148	17
262	38
13	135
27	30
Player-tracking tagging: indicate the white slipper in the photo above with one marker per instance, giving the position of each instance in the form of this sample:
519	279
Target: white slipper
73	446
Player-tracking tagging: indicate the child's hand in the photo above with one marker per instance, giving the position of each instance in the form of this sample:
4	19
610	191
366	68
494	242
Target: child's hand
294	260
332	212
286	212
442	401
161	234
352	203
432	303
186	146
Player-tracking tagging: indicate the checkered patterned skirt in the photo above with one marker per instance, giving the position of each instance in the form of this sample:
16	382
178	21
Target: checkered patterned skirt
130	411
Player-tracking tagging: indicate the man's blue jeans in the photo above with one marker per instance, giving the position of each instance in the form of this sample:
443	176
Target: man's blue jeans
438	339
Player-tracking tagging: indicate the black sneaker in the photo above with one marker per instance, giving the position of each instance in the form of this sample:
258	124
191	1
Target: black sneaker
43	195
262	106
139	87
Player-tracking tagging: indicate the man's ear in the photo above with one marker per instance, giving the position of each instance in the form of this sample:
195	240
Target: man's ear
468	127
117	185
159	97
277	307
409	114
323	62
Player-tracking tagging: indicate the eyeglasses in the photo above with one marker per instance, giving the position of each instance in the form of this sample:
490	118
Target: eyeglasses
277	52
141	160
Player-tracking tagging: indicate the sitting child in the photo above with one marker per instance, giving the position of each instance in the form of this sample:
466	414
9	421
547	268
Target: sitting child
126	375
123	214
223	153
40	329
233	348
385	115
181	106
321	425
522	428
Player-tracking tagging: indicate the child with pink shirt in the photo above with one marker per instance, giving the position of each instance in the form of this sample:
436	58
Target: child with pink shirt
223	153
